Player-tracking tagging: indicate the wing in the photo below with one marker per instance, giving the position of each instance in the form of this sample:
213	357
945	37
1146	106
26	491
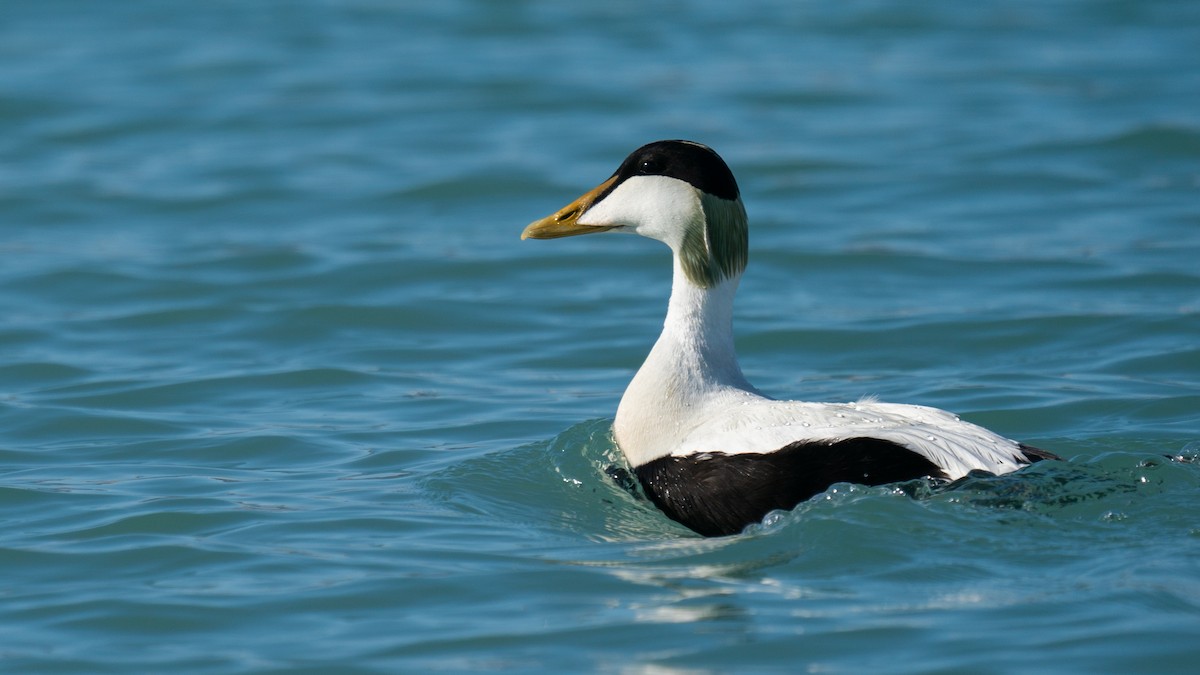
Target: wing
952	445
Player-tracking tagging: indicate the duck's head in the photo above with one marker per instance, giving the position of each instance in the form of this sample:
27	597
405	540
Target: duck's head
678	192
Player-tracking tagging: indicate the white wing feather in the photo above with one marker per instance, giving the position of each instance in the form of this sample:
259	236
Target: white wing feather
760	425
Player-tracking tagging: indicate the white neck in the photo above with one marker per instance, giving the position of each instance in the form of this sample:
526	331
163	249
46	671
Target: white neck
692	365
697	336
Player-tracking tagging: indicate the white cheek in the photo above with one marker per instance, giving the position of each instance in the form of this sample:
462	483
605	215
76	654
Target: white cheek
653	206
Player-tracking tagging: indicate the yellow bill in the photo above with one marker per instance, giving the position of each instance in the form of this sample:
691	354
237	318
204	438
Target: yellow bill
565	222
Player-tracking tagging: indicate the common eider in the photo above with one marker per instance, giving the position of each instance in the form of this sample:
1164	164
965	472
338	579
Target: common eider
710	450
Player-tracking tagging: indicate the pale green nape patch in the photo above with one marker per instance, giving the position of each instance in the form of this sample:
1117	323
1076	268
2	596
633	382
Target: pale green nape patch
718	248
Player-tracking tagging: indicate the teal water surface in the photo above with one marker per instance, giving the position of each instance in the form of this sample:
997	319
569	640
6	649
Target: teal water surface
282	391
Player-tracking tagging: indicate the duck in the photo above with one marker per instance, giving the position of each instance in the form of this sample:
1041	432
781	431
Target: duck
708	449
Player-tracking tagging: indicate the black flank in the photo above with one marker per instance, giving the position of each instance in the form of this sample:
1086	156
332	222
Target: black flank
718	494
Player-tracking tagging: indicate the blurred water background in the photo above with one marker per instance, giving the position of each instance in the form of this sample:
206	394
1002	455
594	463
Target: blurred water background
282	391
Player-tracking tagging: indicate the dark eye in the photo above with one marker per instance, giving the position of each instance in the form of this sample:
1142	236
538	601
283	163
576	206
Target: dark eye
651	165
